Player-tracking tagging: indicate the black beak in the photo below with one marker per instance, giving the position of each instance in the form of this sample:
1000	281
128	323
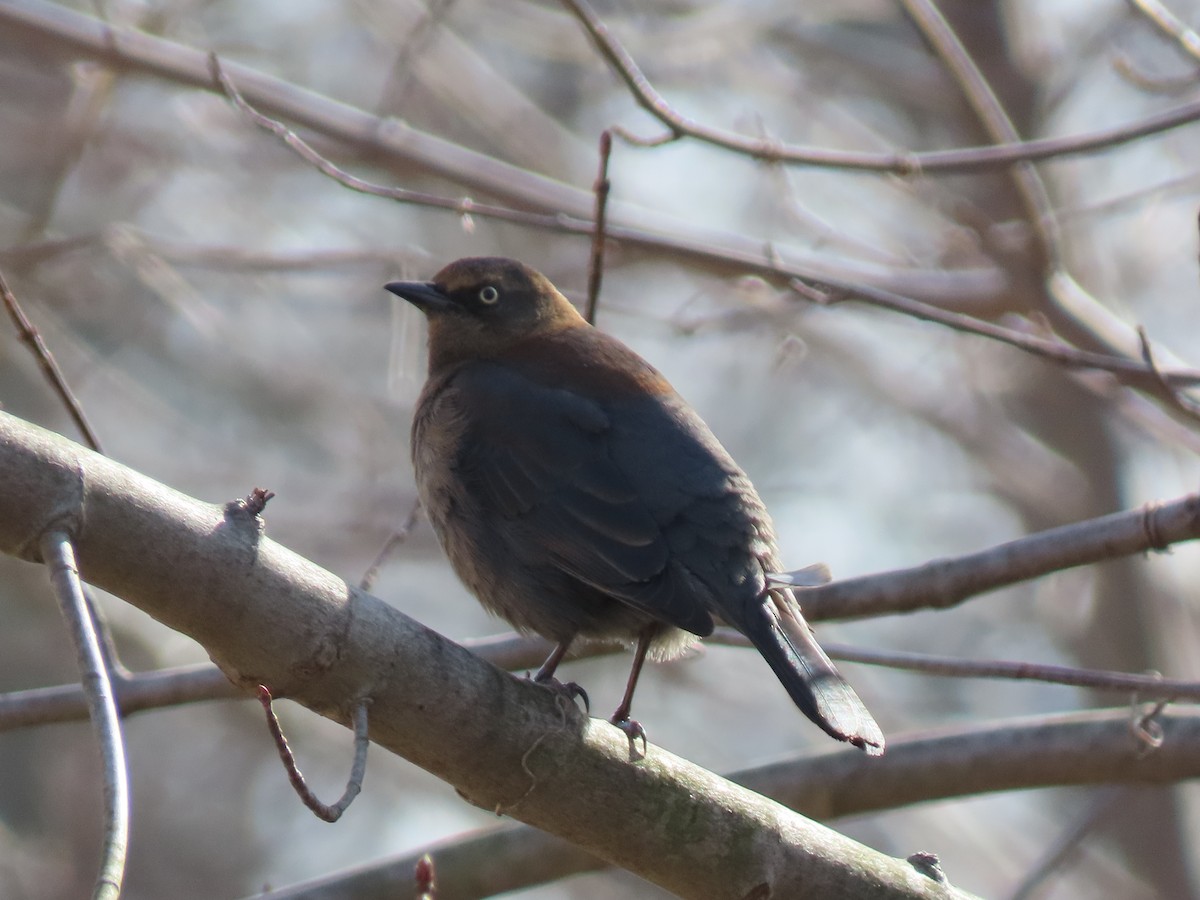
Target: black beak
424	295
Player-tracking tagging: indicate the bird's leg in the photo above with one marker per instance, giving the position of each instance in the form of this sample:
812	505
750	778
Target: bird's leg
633	728
545	675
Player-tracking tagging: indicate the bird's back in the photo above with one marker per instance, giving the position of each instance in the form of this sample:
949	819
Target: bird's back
574	446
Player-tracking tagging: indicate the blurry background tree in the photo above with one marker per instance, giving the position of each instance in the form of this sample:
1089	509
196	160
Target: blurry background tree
217	304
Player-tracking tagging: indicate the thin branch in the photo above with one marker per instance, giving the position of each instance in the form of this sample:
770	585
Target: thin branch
828	291
940	583
398	537
134	693
1149	685
1055	350
929	163
323	811
568	209
996	124
1170	25
1076	307
596	261
947	582
463	206
59	557
1050	349
30	336
1181	402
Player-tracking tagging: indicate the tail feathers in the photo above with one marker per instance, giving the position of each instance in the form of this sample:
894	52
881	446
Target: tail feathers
786	641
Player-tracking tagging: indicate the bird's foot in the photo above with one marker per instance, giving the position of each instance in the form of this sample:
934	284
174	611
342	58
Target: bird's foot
568	689
634	731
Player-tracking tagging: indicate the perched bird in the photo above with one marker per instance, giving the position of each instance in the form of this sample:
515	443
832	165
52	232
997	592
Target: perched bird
578	496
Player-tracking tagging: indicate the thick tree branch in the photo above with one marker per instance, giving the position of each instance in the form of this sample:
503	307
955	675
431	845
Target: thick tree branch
1088	748
267	616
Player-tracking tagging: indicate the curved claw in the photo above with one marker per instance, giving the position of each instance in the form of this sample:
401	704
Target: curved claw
572	690
634	731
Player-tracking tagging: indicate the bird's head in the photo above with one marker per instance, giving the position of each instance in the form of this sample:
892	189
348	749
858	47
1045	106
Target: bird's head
480	307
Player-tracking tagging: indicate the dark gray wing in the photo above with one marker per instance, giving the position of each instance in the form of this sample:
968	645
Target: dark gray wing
541	460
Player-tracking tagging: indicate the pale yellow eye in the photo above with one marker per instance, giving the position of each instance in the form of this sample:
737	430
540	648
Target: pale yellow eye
488	295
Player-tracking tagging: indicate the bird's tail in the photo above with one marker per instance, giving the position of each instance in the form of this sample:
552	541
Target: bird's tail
777	628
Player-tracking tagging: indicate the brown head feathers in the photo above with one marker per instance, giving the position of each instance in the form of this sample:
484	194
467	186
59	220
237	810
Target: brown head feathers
479	307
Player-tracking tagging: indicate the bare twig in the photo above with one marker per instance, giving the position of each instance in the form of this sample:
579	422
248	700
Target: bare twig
566	209
937	162
30	336
1149	685
129	49
1125	66
362	741
463	206
134	693
596	261
59	556
828	291
1181	402
1170	25
1039	211
398	537
1051	349
944	583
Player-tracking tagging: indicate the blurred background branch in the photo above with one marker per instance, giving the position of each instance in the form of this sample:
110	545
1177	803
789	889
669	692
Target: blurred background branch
215	305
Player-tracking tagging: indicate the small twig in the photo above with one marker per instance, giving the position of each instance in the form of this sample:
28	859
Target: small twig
30	336
996	124
596	262
134	693
463	206
1170	25
256	501
358	770
1178	400
828	291
952	667
399	536
967	159
1124	65
636	140
569	225
59	556
108	647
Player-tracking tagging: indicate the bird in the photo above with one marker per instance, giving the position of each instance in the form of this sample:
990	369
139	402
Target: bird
579	497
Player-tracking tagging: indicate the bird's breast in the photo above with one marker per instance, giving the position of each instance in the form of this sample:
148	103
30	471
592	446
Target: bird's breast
438	430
